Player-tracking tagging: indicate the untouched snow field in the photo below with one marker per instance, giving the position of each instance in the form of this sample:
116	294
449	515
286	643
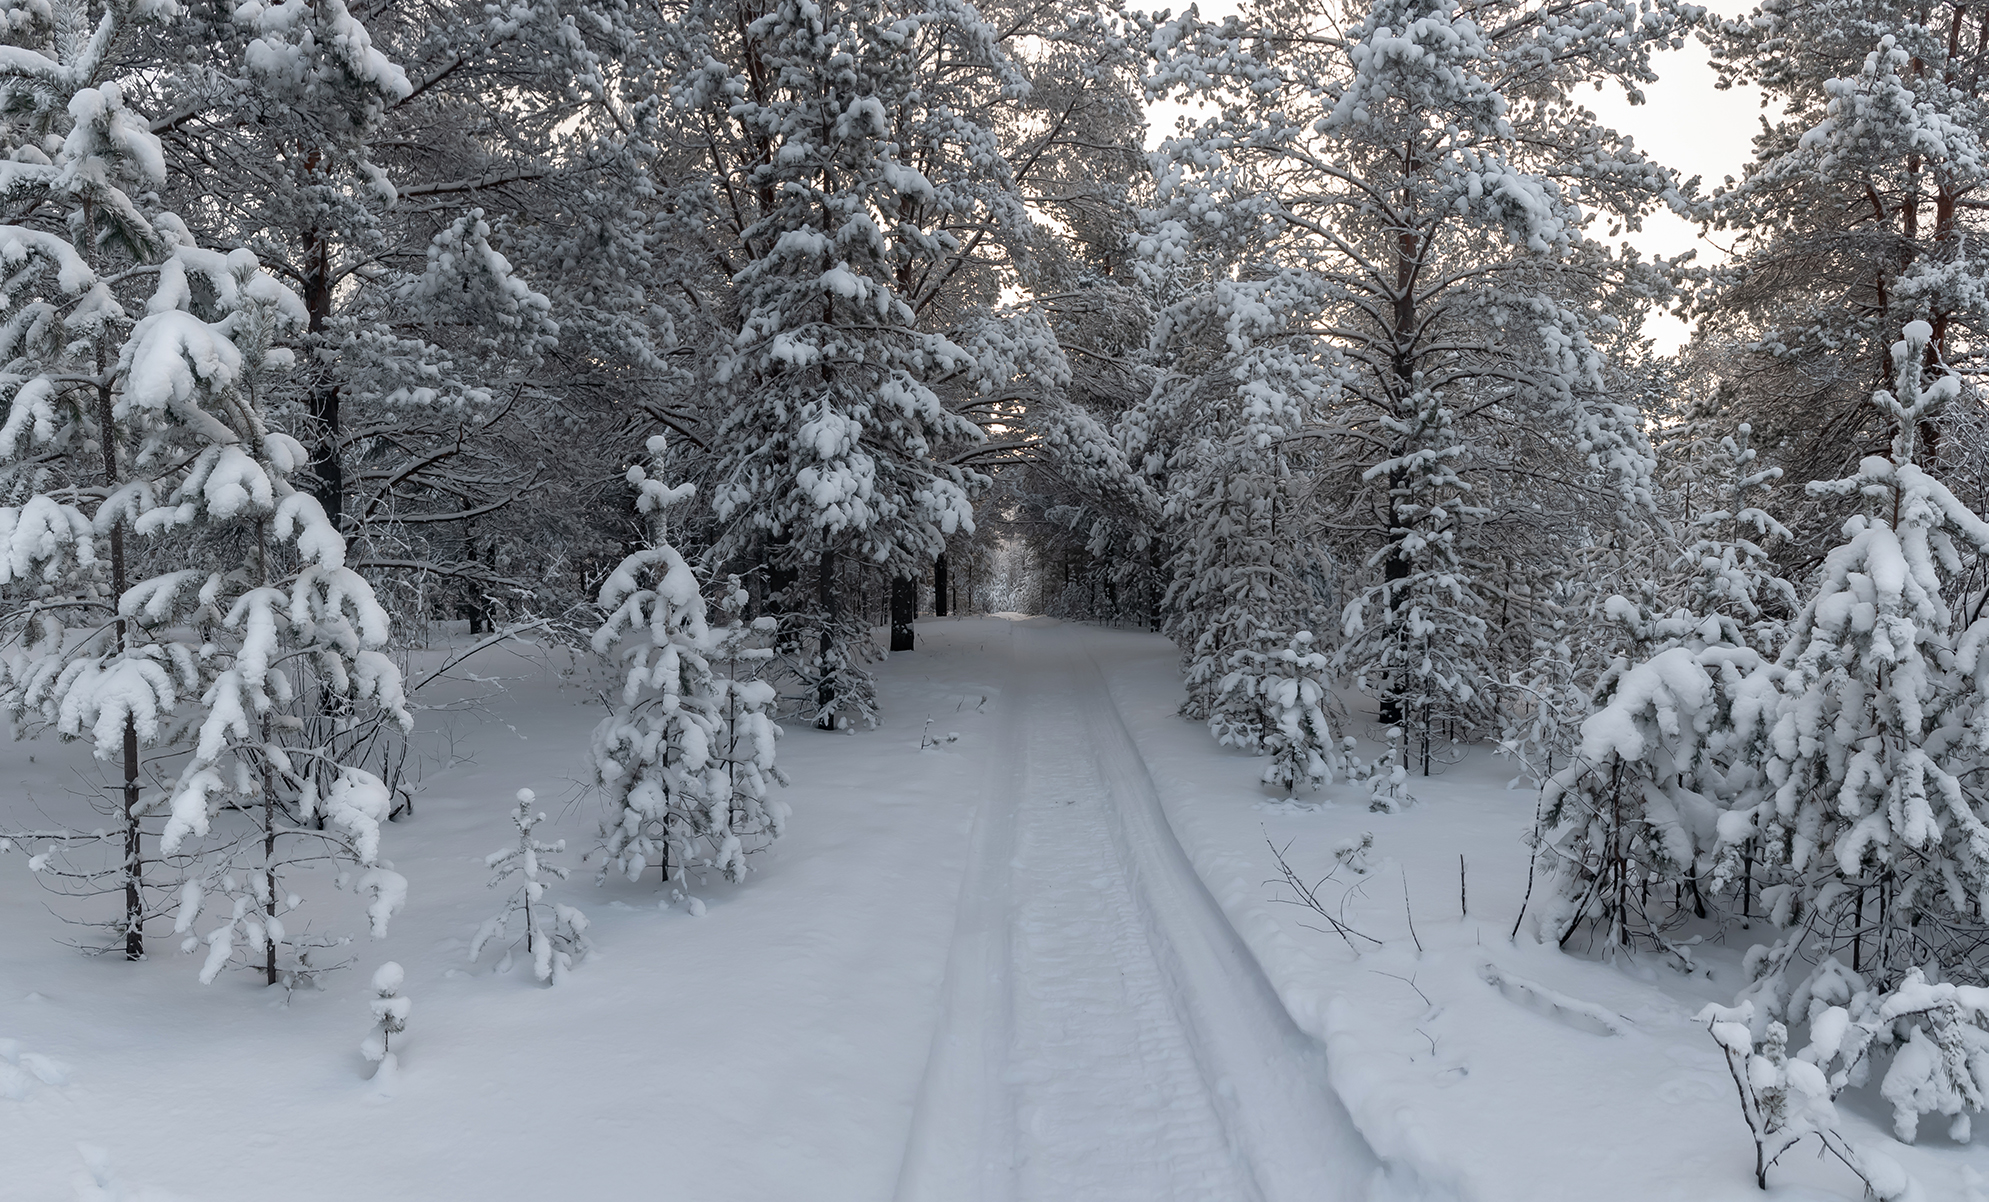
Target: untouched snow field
1044	961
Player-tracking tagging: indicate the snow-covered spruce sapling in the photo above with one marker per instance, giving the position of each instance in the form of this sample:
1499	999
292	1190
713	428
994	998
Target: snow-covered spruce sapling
1387	778
390	1010
653	753
555	933
1284	689
739	815
686	757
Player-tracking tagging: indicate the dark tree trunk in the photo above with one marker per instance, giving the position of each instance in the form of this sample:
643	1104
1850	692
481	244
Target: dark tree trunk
326	462
825	593
134	901
904	611
1394	570
939	586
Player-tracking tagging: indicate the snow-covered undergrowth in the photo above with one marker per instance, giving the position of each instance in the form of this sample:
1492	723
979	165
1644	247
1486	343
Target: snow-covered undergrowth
1501	1070
770	1048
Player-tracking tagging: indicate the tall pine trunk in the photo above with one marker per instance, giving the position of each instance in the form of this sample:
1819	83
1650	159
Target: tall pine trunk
132	871
825	595
904	611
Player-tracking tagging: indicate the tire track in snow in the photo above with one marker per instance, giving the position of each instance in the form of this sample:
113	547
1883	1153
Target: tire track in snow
1107	1035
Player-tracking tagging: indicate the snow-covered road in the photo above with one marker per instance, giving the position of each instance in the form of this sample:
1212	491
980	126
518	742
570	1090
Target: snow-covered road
1106	1034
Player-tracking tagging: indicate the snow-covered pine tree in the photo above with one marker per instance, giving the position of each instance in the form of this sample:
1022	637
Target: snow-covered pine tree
555	933
1868	809
845	193
140	366
1418	165
77	156
293	651
1247	584
1853	219
382	192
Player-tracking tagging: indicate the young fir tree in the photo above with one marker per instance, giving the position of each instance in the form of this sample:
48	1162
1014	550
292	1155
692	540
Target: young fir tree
555	933
390	1010
687	755
741	816
653	755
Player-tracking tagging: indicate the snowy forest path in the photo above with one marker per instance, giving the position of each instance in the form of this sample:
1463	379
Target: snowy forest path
1106	1033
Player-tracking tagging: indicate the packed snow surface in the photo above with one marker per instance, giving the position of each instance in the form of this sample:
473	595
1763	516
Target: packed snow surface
1044	959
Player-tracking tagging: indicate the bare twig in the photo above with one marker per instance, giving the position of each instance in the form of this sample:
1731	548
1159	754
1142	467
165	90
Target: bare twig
1406	910
1308	896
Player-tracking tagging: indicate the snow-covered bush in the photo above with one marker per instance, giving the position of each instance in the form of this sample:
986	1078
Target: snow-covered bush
1640	802
1785	1099
390	1009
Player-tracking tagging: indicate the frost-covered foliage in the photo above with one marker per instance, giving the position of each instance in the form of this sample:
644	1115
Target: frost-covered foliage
555	933
1424	175
685	758
744	744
